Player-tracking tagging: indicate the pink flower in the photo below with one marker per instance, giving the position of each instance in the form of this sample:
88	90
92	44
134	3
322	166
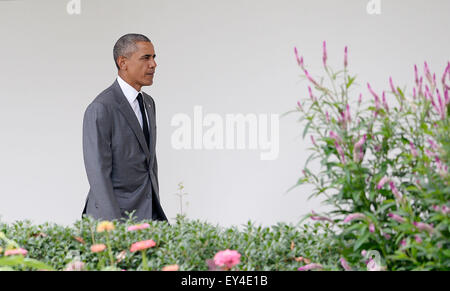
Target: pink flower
340	151
142	245
397	218
327	117
354	216
413	149
418	239
429	153
171	268
382	182
427	72
319	218
394	190
424	226
446	72
445	210
442	106
312	266
387	236
360	98
447	98
358	153
392	86
138	227
416	75
363	253
377	99
299	60
386	106
300	105
372	228
345	57
348	117
229	258
311	79
414	93
433	145
15	252
324	58
345	264
361	142
98	248
420	86
334	136
403	242
313	140
313	98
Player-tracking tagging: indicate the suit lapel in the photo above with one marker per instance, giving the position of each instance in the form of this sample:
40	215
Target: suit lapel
130	116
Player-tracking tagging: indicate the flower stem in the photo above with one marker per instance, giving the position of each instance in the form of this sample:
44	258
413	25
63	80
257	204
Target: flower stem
108	243
144	261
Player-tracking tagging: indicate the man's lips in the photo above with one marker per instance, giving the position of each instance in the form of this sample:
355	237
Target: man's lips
150	74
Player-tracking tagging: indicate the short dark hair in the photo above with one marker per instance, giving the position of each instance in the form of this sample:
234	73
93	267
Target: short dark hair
126	45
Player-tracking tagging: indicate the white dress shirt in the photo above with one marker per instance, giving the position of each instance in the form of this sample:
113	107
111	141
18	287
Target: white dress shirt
131	95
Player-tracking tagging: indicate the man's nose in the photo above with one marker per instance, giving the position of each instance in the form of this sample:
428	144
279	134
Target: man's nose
153	64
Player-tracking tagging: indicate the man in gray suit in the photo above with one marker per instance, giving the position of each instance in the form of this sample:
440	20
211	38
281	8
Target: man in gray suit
119	138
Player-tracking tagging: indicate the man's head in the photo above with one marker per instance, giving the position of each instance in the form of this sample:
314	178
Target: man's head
134	55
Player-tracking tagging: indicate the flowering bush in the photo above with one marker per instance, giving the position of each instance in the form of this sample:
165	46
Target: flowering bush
384	166
155	245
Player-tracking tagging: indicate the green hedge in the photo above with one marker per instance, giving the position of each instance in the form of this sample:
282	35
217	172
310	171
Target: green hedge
186	243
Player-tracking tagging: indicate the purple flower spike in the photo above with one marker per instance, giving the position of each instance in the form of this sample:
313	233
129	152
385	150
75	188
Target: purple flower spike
386	106
392	86
397	218
416	75
382	182
340	151
311	79
413	149
394	190
424	227
428	73
345	264
354	216
310	267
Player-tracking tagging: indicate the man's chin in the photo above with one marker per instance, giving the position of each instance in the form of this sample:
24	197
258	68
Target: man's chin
147	83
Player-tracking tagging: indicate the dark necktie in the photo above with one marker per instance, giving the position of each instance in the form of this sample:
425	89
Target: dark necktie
144	119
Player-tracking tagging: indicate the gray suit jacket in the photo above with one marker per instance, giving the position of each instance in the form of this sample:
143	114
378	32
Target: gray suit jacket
122	170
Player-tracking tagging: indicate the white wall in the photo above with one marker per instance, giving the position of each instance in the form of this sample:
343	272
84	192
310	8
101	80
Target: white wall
227	56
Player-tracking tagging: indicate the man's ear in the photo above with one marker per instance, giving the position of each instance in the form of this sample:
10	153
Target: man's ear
121	62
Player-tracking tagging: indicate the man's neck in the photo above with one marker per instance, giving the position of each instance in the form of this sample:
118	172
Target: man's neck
124	77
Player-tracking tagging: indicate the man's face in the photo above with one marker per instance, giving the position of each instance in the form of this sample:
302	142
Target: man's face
140	66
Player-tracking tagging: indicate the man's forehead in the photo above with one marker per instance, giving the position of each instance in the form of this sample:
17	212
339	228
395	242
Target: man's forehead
145	47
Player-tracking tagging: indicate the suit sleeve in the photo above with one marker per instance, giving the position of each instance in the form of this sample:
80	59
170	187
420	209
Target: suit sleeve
97	154
155	164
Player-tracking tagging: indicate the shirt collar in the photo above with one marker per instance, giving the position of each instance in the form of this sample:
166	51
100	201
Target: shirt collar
128	90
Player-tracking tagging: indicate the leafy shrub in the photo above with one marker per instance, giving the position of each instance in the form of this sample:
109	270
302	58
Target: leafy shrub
186	243
384	166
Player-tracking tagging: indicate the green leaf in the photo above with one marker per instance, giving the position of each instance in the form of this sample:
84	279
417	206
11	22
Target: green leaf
350	81
362	239
305	131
